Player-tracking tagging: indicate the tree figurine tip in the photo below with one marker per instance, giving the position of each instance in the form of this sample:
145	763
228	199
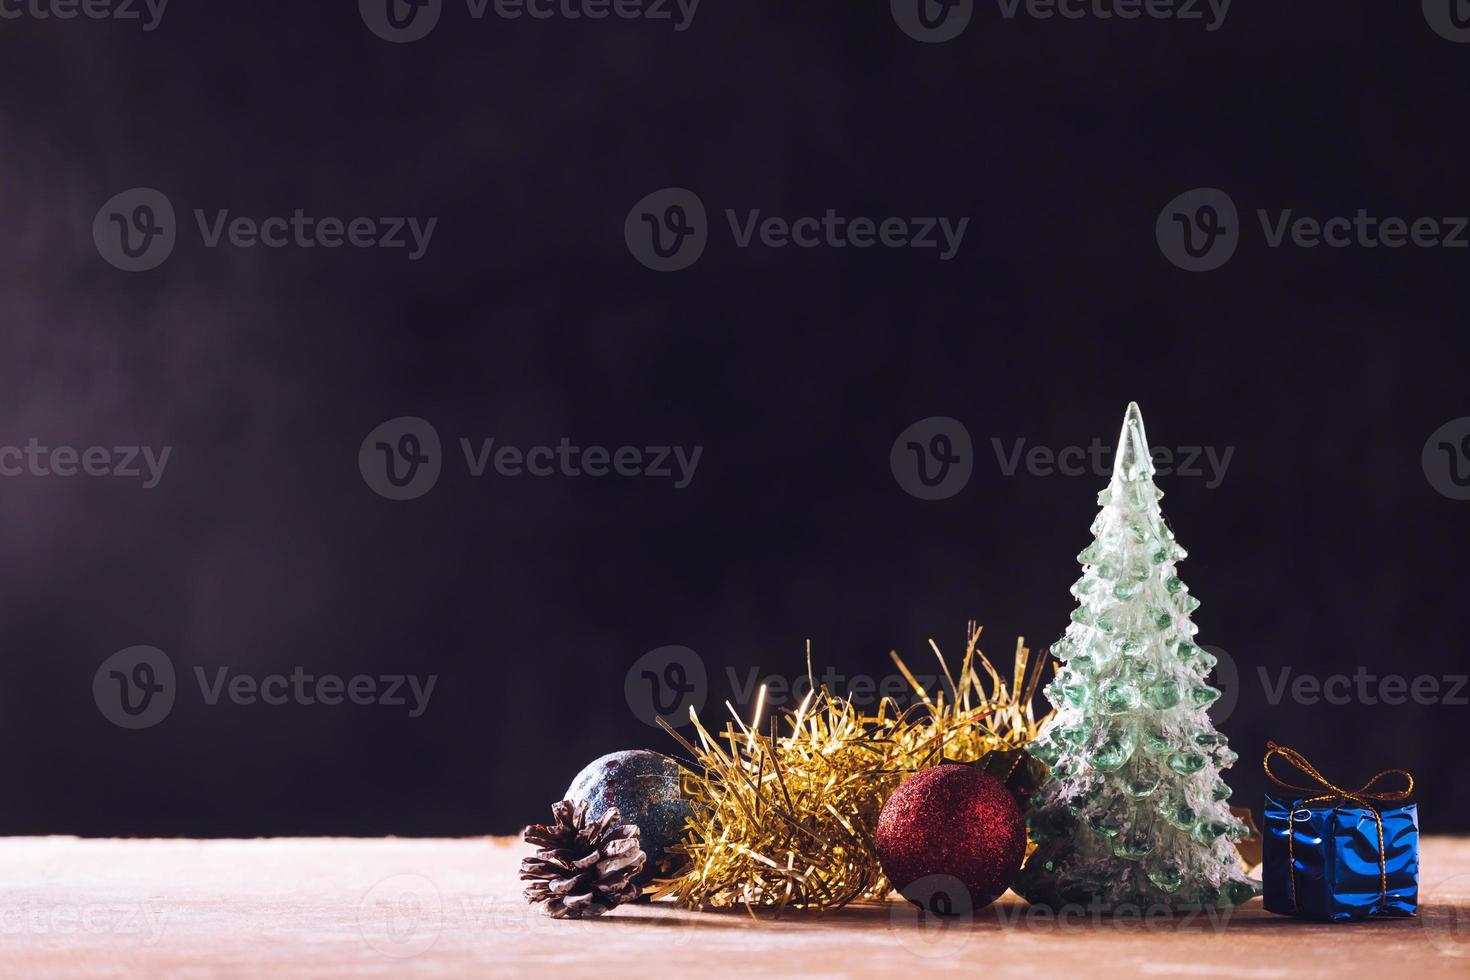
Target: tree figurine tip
1133	460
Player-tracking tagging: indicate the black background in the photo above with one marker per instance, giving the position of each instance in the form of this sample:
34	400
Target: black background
1325	547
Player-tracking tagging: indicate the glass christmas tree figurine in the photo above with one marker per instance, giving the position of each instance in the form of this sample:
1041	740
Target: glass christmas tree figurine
1134	814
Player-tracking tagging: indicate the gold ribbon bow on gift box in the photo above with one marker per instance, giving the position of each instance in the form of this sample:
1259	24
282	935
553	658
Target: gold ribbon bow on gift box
1366	796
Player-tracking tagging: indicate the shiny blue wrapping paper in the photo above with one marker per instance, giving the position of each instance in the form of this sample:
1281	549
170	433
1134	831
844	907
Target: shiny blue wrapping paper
1337	866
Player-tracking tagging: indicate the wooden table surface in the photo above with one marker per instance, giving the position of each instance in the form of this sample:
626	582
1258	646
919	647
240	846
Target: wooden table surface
330	908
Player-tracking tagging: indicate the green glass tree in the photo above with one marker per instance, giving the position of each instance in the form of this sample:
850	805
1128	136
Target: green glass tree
1135	811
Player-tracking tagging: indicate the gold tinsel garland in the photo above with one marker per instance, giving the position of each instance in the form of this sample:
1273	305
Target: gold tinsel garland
786	819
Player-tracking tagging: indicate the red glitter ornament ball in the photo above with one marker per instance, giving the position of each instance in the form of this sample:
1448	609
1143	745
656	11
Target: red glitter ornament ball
946	824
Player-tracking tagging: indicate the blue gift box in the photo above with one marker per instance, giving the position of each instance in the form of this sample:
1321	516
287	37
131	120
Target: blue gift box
1339	854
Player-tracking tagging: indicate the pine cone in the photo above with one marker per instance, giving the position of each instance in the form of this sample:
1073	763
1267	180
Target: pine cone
582	868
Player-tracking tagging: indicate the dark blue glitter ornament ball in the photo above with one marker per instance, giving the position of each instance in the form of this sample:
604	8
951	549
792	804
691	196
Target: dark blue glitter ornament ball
644	786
